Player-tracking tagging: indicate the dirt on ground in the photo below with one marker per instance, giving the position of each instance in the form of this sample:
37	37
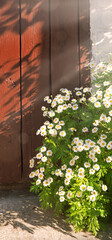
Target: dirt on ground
21	218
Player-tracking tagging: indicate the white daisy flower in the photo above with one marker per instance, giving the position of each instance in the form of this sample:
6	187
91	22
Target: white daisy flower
64	167
103	136
31	165
37	172
97	104
96	149
44	113
75	149
49	101
73	100
32	175
92	144
61	188
108	159
72	162
58	127
50	180
97	85
80	148
86	147
66	181
75	107
49	153
43	108
56	120
91	171
60	101
104	187
85	129
54	132
102	143
45	183
94	159
81	169
43	149
51	113
61	123
46	98
42	169
94	130
96	123
61	193
41	176
43	133
96	167
92	198
39	155
106	83
78	93
38	181
93	99
31	161
108	119
38	132
69	170
110	113
90	188
62	133
57	172
94	192
87	164
83	187
76	157
50	126
65	106
44	159
59	109
46	123
43	128
69	194
79	194
62	199
81	174
68	176
102	117
53	104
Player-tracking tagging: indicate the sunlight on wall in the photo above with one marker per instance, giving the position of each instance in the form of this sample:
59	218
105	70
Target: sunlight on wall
101	28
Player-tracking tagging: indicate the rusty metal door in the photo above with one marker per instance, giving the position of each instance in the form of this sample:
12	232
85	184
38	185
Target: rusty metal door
44	45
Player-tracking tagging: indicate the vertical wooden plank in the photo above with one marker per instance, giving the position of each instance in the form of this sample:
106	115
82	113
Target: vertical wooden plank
35	73
84	41
10	149
64	44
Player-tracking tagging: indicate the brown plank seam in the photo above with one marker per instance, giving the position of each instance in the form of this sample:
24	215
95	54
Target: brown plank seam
20	91
79	44
50	73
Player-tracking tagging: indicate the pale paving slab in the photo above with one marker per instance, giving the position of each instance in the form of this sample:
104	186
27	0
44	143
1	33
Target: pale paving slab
21	218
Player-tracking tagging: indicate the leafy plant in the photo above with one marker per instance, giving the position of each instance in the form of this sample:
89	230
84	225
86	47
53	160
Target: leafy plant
72	171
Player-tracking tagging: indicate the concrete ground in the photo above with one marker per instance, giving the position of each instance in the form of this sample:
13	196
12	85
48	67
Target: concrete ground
21	218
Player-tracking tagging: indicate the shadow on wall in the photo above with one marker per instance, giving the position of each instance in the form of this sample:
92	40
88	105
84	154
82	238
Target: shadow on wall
33	16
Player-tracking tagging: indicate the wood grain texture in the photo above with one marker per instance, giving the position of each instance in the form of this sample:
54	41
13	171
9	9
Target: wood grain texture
64	44
10	151
35	73
84	41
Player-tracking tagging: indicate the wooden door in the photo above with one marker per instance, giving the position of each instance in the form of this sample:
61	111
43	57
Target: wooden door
44	45
10	112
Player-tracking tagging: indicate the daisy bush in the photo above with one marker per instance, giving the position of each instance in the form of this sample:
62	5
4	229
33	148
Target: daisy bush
72	170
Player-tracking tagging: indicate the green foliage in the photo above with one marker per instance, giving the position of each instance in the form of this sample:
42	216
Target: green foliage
72	170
